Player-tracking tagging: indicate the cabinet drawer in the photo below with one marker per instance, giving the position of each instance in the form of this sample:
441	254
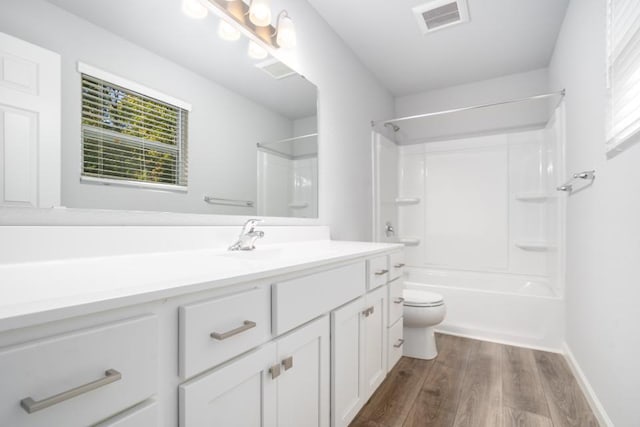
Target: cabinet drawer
396	265
80	378
395	344
395	301
219	329
299	300
378	271
143	415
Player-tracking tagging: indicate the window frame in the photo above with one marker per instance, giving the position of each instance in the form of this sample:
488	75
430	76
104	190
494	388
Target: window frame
615	143
181	150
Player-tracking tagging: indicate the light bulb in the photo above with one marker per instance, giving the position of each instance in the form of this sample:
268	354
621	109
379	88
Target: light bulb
194	9
227	31
256	51
260	13
286	36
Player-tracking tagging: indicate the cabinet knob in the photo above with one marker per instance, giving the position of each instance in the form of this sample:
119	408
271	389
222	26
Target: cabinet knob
274	371
287	363
381	272
399	265
399	300
368	311
399	343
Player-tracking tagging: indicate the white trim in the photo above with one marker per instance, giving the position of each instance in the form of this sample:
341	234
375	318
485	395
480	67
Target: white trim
476	335
134	184
587	390
128	84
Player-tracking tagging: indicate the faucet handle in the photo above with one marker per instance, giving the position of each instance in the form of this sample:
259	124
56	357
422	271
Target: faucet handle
251	224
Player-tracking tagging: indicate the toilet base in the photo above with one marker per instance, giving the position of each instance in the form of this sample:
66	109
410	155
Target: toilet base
419	343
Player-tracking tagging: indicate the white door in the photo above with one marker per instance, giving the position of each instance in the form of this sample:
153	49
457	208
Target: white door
347	362
240	394
29	124
303	385
375	339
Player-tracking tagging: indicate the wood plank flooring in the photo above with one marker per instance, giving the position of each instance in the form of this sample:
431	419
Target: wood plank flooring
477	383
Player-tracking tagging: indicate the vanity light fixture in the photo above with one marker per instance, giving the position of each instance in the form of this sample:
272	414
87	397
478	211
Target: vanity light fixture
260	13
285	31
194	9
226	31
256	51
251	20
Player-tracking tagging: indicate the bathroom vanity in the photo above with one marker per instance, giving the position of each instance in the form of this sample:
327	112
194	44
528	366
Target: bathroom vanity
295	334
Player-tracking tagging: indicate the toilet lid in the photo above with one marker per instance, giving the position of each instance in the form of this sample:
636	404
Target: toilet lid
418	298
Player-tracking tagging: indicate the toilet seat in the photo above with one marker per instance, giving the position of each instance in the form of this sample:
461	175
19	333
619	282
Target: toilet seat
418	298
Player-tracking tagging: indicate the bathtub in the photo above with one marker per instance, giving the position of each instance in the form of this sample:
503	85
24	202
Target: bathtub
512	309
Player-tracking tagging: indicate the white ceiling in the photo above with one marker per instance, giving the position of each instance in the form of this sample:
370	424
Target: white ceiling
161	27
503	37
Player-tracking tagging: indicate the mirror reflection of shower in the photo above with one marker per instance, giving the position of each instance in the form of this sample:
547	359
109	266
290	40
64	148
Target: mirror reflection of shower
288	177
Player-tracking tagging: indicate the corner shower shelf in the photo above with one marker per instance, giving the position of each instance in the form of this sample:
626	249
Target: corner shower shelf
533	245
409	241
533	196
407	201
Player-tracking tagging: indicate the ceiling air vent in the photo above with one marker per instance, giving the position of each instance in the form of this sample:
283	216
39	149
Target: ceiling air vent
275	69
439	14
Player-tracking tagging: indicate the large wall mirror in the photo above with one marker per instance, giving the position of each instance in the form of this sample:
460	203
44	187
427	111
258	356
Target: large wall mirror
161	112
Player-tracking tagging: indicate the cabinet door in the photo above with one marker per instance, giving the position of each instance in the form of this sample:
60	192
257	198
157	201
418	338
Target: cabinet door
303	386
347	344
375	339
240	394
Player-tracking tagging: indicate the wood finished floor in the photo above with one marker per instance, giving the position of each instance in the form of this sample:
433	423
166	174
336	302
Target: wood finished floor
478	383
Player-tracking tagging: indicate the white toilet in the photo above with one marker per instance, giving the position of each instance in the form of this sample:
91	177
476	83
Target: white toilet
423	310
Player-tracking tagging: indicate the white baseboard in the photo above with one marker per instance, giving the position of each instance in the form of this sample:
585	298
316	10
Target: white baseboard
594	402
483	336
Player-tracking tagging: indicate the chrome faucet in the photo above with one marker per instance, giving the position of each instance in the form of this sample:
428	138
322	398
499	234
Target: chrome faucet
248	236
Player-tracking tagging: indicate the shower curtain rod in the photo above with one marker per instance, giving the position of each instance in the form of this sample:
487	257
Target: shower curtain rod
262	144
473	107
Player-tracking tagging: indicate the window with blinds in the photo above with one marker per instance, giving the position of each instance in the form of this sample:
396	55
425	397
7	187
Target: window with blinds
623	67
132	138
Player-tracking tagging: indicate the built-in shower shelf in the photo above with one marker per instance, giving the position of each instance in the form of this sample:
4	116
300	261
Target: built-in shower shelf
298	205
401	201
409	241
533	197
533	245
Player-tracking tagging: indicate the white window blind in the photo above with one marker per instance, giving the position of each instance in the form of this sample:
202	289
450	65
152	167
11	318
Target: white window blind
623	67
131	138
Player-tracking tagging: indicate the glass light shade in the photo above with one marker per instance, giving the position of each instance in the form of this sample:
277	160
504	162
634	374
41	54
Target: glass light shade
260	13
256	51
194	9
286	36
227	31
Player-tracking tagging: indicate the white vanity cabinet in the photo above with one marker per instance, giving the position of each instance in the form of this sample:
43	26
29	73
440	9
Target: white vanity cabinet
284	383
358	353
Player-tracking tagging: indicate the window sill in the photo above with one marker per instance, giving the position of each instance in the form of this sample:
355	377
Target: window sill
133	184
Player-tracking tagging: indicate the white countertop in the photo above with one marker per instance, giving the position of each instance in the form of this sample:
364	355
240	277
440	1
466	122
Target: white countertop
39	292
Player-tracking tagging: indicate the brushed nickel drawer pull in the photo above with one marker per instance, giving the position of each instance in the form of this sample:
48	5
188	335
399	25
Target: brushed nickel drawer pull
274	371
246	325
400	265
399	343
287	363
31	406
381	272
399	300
